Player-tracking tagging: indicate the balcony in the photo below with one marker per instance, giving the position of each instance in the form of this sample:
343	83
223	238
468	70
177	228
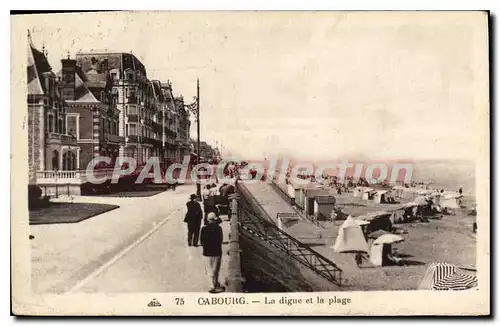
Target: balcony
151	141
56	138
132	139
76	177
111	138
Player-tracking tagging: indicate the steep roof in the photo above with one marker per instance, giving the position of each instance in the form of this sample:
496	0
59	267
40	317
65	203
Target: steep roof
82	91
37	65
157	90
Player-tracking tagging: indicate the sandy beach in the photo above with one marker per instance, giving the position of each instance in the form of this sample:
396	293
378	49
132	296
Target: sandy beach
449	239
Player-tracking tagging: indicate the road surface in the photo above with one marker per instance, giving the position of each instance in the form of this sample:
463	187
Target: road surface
139	247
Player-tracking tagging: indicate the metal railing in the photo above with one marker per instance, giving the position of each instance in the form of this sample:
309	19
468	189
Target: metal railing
283	241
267	231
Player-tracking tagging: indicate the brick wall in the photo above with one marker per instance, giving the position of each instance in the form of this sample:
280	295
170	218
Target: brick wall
85	155
85	123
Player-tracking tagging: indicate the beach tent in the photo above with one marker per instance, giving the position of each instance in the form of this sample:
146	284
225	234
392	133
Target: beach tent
420	201
293	189
358	191
309	195
323	205
368	193
452	201
381	196
382	248
443	276
350	238
380	220
435	197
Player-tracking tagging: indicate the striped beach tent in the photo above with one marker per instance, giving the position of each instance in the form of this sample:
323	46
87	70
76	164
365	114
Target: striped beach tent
443	276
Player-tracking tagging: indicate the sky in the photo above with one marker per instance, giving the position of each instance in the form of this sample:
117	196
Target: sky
310	85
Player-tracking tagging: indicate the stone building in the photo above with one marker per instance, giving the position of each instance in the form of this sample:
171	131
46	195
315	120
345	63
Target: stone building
152	121
92	115
130	88
52	152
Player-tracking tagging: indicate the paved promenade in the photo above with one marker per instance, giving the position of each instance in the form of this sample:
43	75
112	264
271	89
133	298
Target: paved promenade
273	204
139	247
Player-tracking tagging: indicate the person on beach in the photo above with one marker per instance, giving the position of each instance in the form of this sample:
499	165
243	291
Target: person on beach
193	219
358	258
211	240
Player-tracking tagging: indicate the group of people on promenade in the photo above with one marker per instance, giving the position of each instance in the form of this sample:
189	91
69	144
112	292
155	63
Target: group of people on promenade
211	235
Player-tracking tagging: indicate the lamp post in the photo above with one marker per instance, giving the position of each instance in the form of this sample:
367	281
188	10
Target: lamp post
195	109
198	185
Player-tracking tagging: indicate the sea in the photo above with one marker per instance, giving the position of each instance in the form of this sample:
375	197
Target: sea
450	175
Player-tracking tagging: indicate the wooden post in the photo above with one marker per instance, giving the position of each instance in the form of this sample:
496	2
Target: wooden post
234	280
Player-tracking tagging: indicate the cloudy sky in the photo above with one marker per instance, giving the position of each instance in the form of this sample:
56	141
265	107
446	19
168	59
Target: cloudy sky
312	85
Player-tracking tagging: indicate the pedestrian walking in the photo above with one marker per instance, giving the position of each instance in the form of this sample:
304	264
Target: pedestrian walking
193	218
209	204
211	240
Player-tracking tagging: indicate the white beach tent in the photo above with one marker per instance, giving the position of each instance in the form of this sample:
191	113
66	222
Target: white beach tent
381	196
350	237
368	193
358	191
381	248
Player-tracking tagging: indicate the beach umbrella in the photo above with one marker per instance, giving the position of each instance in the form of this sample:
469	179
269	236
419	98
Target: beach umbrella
457	281
377	234
443	276
420	201
388	239
362	222
410	204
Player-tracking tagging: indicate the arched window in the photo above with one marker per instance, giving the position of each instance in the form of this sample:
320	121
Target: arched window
69	161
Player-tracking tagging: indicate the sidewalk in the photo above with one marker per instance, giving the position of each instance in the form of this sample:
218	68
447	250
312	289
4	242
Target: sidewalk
63	254
161	263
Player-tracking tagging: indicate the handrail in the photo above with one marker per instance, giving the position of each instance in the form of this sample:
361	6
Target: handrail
301	252
293	247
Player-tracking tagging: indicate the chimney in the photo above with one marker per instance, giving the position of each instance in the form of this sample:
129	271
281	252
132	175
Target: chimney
68	78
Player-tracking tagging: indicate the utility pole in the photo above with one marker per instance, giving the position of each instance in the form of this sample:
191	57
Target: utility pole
198	185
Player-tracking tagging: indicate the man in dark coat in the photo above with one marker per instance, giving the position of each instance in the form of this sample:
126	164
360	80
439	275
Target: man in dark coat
193	219
211	240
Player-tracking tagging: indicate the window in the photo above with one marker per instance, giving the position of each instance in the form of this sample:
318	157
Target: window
114	76
71	125
103	97
126	130
132	109
51	123
133	129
